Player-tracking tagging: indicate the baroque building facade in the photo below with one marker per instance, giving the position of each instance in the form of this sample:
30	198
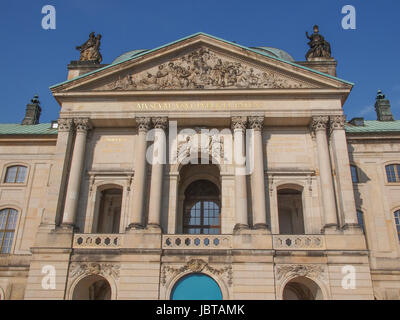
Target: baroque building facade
91	209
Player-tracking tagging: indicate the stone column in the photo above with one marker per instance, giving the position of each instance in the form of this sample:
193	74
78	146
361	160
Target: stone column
75	176
159	158
319	126
239	157
343	174
257	177
139	184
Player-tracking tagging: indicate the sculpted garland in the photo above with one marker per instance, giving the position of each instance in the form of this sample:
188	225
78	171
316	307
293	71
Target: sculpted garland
201	69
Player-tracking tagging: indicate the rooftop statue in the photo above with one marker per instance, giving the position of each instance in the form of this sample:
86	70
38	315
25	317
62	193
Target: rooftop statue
90	50
319	47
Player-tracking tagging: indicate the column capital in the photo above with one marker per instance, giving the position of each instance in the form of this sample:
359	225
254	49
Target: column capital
256	122
319	123
143	124
82	124
239	123
160	123
337	122
65	125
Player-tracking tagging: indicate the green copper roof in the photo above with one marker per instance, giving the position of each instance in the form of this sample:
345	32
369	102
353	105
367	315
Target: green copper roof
278	53
128	55
18	129
259	51
374	127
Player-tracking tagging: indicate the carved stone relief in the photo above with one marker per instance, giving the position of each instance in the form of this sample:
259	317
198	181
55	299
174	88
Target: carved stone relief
93	268
196	265
202	69
299	270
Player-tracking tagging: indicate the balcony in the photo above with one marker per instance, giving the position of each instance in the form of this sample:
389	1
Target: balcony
97	241
299	242
198	241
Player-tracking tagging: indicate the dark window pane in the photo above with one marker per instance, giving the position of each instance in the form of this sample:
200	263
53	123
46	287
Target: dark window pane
354	174
360	218
390	172
397	222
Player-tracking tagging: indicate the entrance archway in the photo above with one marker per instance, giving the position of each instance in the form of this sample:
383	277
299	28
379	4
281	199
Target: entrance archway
196	286
93	287
302	288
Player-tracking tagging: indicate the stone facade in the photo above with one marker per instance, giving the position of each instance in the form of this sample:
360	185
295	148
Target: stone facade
295	118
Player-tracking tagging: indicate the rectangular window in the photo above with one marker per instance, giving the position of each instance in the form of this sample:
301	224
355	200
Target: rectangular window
360	218
393	173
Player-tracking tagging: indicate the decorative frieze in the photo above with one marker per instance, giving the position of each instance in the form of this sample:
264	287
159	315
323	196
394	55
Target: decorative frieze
312	271
94	268
195	266
203	69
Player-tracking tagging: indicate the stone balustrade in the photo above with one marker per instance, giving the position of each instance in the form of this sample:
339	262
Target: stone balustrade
299	242
97	241
197	241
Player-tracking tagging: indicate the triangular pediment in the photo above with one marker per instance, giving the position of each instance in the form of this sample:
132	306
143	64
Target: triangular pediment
200	63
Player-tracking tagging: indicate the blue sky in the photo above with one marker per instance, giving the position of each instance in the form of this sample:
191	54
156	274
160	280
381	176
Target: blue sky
33	59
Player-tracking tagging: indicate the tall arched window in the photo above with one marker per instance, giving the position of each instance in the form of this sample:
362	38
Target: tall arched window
393	172
397	222
290	211
202	208
8	222
15	174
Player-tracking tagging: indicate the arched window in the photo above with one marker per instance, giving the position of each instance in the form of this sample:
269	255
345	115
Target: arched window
15	174
360	219
8	222
290	211
206	288
393	172
354	174
109	212
202	208
397	222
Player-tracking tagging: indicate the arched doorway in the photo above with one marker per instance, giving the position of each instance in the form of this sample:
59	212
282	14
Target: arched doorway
93	287
302	288
109	211
290	211
196	286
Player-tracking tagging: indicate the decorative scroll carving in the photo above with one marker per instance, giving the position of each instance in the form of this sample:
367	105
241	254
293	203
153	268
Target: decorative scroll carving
143	124
202	69
319	123
196	265
300	270
239	123
337	122
93	268
256	123
82	124
65	125
160	123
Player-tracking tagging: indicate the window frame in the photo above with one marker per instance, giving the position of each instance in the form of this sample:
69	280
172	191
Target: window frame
202	226
396	217
6	230
396	173
15	184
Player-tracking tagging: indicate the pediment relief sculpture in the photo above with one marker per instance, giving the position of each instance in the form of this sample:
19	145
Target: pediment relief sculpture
203	69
